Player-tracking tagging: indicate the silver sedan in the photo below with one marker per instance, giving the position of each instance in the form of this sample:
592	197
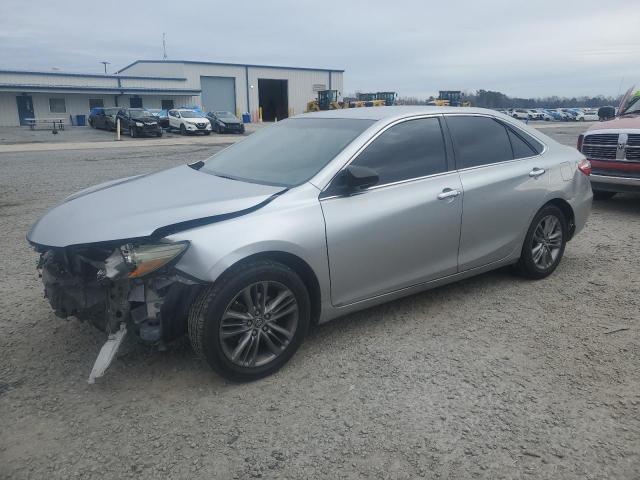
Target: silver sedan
312	218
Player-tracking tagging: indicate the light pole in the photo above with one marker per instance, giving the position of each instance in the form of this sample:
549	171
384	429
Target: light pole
105	66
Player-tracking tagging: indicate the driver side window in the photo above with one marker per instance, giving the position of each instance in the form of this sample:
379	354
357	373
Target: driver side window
408	150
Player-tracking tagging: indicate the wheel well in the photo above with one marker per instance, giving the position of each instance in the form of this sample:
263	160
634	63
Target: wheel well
299	266
566	209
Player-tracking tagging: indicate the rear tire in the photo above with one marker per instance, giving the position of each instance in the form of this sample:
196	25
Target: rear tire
544	244
603	195
222	322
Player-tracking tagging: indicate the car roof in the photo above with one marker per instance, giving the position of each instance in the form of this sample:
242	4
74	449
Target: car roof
382	113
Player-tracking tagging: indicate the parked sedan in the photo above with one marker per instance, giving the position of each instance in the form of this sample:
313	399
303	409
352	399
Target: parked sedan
139	122
307	220
189	121
587	115
103	118
225	122
521	114
161	115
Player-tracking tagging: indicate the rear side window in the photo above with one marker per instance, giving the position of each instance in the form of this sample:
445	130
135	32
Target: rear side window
528	140
479	141
521	149
407	150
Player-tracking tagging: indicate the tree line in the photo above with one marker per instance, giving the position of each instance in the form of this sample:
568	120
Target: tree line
491	99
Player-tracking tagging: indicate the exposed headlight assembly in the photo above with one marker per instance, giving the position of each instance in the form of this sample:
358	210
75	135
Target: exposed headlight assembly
146	258
139	124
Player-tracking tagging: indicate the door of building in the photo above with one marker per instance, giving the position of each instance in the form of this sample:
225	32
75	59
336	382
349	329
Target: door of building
25	108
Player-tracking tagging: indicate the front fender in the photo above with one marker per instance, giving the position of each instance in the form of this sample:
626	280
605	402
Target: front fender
292	223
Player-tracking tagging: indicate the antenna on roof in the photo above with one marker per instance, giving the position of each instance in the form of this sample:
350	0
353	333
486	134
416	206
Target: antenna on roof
164	46
105	66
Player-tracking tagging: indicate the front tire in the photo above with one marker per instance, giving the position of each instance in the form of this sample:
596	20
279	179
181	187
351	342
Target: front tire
183	129
132	131
603	195
544	244
251	321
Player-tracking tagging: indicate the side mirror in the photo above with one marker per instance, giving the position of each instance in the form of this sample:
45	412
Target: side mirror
354	179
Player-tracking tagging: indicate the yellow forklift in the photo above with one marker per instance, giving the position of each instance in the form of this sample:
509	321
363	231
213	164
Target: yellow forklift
368	100
327	100
451	98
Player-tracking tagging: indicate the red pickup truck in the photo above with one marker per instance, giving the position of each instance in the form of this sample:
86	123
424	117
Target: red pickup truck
613	147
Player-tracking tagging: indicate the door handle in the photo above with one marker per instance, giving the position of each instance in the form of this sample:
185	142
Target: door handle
448	193
536	172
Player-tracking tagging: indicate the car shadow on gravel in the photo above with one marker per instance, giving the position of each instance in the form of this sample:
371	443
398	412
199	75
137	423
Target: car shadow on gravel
621	203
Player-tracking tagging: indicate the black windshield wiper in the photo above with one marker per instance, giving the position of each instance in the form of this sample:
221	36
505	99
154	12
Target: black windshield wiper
197	165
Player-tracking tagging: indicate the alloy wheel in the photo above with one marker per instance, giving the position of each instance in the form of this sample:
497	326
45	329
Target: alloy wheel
258	324
547	242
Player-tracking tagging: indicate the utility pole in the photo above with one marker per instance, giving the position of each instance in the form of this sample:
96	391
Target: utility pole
164	46
105	66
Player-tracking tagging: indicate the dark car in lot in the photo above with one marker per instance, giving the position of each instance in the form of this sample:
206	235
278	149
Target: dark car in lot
225	122
162	115
103	118
139	122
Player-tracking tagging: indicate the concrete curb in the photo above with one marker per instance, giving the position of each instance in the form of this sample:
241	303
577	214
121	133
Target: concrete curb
39	147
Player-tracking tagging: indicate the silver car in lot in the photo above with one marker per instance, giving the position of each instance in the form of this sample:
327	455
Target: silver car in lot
307	220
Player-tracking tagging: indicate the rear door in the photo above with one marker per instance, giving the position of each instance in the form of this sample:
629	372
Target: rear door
504	179
404	230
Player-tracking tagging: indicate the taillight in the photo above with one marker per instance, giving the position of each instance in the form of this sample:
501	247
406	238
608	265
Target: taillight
585	166
580	141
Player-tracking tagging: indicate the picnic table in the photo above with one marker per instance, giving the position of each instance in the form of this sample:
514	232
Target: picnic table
53	123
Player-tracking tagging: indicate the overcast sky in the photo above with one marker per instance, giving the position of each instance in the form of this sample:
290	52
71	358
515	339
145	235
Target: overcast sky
520	47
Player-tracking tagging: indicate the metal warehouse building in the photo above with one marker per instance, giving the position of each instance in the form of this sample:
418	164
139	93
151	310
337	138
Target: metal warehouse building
278	91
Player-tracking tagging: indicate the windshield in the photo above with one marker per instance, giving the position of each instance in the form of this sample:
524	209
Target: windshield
633	105
224	114
190	114
287	153
139	112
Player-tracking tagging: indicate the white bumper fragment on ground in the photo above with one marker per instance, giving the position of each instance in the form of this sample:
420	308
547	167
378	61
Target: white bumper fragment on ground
107	353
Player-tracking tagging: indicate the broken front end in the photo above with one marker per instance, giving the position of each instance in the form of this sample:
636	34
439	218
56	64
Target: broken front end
132	287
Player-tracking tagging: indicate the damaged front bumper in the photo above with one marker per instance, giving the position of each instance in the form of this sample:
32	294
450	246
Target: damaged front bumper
133	287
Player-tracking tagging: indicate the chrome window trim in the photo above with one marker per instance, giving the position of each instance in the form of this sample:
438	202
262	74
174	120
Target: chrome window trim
392	184
376	135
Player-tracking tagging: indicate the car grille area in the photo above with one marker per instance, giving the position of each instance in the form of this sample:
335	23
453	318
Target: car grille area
604	146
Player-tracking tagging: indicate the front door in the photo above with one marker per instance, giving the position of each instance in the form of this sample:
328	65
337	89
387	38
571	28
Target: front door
403	231
25	108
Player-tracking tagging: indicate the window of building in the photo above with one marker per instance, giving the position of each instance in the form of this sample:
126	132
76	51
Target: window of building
478	140
167	104
95	103
135	102
57	105
407	150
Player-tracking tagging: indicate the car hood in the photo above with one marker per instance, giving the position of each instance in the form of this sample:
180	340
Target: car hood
619	123
145	119
228	120
155	204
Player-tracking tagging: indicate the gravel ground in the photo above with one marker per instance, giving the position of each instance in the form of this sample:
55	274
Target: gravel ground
493	377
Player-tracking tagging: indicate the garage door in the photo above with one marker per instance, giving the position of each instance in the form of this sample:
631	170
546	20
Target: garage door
218	93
